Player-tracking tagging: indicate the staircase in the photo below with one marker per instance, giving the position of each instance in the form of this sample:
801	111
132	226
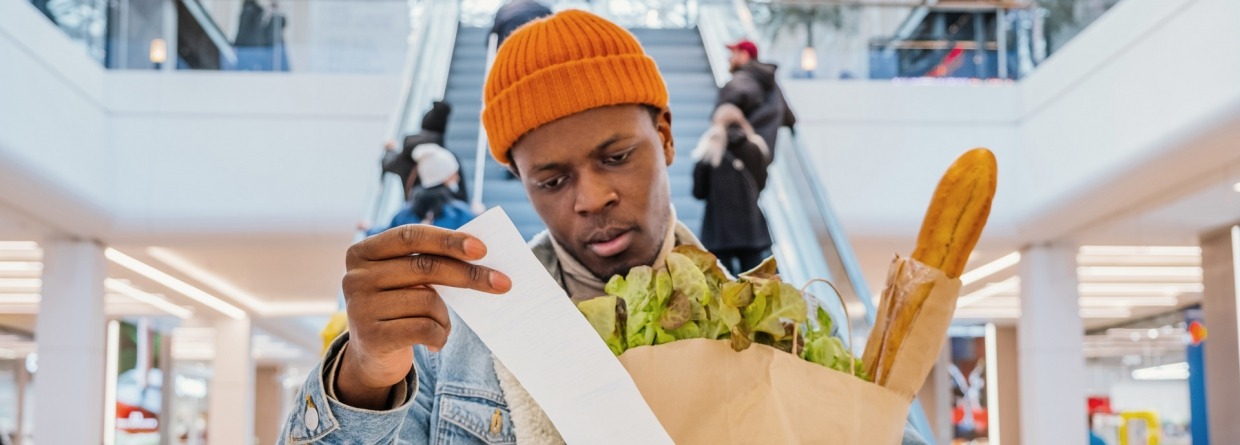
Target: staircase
681	59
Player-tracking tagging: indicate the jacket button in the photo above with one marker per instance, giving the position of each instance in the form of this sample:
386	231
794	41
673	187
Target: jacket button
312	415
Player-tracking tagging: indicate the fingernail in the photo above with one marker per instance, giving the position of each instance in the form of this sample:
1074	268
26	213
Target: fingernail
474	248
500	282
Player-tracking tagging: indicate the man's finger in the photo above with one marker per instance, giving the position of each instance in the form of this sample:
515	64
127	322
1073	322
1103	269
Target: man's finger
419	331
416	239
425	270
404	303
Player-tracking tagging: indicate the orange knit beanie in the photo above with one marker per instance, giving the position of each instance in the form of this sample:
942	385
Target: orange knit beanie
562	65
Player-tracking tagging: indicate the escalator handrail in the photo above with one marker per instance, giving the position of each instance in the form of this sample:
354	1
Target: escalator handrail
480	157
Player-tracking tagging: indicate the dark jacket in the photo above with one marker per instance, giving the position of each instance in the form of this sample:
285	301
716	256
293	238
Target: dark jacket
516	13
732	219
250	24
401	163
753	89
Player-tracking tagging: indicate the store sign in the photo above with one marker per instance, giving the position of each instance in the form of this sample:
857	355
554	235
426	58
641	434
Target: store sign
139	384
137	421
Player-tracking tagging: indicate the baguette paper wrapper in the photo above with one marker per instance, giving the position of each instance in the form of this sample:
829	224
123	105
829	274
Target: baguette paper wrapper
703	392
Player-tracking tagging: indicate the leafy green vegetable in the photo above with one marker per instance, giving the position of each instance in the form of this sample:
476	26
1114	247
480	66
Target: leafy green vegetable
692	297
604	314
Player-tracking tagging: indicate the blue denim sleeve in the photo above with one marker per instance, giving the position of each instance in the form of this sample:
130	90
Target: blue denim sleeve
417	428
318	418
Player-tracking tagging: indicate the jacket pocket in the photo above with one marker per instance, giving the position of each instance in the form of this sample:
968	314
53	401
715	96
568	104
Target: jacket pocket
475	419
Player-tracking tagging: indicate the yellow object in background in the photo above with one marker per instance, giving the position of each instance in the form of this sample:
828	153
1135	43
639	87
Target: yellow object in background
1139	428
338	324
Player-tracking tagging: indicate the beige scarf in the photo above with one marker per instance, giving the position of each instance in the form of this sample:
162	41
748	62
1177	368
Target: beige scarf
530	423
581	284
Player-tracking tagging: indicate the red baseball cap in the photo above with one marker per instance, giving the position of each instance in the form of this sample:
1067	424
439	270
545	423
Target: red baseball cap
746	46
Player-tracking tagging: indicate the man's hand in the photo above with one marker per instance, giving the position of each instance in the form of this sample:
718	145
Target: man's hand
392	307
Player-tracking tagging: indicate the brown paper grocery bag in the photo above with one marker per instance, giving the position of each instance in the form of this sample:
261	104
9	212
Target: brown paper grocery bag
912	362
703	392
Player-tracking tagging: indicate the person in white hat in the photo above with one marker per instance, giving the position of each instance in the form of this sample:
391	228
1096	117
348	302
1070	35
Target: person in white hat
435	200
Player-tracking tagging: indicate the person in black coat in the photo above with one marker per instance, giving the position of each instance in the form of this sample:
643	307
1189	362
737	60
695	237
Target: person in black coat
514	14
753	89
729	175
402	164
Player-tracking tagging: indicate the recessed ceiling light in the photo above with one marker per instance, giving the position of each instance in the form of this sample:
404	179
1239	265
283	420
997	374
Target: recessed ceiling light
1236	187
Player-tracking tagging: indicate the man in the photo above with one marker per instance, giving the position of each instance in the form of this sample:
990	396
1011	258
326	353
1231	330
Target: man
514	14
585	127
754	91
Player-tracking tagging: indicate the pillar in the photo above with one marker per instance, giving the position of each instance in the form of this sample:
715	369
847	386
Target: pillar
230	400
269	404
1003	384
936	397
70	333
1220	252
1050	339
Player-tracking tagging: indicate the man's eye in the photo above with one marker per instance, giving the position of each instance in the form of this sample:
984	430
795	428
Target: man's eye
552	183
618	158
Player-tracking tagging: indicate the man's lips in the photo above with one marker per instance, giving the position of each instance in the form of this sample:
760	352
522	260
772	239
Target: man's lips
611	243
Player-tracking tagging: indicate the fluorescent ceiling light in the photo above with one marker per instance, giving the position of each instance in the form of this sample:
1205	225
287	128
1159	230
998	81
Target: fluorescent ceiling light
990	268
1127	302
1008	285
251	302
1191	272
1097	312
126	289
19	299
1141	250
1014	312
988	313
19	245
1173	371
21	266
21	285
1128	289
175	284
184	266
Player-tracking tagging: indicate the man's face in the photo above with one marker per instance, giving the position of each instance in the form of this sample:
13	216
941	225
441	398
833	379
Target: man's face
739	59
599	181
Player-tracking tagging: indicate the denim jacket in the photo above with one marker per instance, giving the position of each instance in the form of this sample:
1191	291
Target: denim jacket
449	398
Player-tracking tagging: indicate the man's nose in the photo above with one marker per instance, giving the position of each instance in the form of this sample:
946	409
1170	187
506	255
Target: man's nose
594	194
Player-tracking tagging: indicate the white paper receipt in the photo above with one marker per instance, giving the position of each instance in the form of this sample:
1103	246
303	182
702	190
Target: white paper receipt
538	334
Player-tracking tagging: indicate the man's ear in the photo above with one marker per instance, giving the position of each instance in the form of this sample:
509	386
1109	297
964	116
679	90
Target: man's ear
665	133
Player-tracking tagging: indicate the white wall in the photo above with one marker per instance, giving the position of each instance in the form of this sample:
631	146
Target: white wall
1121	118
130	154
52	121
245	153
1132	113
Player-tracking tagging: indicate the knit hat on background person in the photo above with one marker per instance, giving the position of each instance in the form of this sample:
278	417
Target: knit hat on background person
437	118
562	65
435	164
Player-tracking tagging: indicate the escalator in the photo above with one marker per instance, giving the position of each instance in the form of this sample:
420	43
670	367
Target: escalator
809	241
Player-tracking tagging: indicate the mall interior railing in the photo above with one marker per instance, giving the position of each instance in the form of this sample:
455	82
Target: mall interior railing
809	241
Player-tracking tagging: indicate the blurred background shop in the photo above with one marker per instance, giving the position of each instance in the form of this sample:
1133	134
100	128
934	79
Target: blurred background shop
179	180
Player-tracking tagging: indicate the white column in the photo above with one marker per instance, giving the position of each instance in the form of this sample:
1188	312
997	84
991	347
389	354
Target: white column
1220	299
230	402
70	335
1050	338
